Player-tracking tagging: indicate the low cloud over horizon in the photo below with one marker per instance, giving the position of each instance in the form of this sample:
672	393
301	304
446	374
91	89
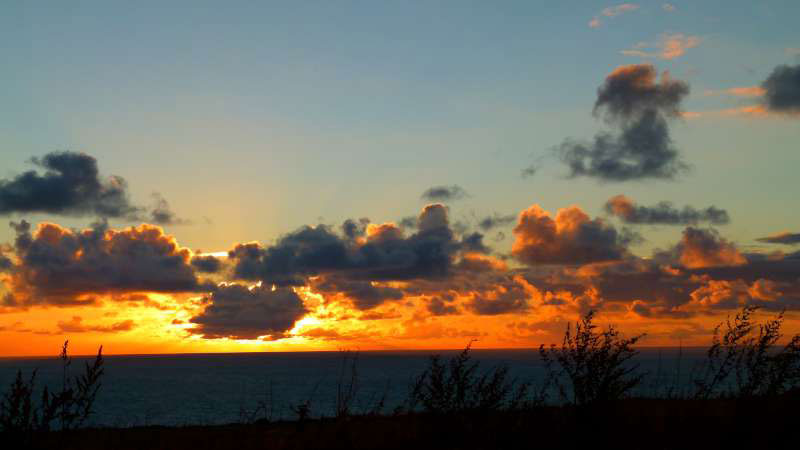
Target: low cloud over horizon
321	283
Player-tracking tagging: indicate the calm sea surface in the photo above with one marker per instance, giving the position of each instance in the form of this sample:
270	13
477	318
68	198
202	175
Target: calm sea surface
224	388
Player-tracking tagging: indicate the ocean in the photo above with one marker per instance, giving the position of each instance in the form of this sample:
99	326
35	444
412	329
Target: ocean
204	389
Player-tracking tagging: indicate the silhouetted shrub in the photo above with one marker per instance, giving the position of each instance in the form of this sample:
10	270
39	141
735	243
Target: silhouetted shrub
592	366
456	386
743	363
69	408
18	413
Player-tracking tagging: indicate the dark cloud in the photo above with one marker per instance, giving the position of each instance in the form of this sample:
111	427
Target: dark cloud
511	298
642	150
653	311
629	237
5	263
363	294
572	238
622	281
632	91
236	312
207	264
484	285
553	325
444	193
496	220
385	254
438	307
663	213
478	263
530	171
352	229
408	222
70	185
640	106
473	242
61	266
782	238
782	89
162	214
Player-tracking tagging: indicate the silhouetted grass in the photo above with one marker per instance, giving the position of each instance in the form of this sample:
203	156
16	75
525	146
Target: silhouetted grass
21	415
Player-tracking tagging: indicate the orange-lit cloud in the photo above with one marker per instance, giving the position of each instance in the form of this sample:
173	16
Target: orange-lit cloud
777	96
743	91
667	47
611	12
76	325
59	266
374	286
701	248
733	294
571	238
741	111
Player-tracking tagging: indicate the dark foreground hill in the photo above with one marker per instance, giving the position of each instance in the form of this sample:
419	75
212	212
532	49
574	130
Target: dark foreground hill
772	423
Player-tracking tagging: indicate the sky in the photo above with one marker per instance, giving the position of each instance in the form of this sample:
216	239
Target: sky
287	176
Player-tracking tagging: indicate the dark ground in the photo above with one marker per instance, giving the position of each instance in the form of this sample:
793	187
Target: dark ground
627	424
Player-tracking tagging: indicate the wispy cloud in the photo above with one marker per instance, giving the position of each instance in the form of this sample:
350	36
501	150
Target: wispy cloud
777	96
743	91
611	12
741	111
668	46
668	7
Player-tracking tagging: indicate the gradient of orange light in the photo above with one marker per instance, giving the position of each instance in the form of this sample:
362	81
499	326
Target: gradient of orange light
412	328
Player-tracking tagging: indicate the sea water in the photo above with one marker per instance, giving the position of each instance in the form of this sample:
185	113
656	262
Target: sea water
206	389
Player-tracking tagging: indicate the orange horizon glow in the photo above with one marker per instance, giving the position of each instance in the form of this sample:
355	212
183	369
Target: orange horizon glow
155	332
131	323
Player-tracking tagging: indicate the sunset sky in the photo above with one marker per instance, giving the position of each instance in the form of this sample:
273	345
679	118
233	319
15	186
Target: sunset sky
265	176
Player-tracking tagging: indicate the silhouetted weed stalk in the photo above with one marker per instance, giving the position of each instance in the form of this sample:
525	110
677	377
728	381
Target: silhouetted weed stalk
745	360
264	411
69	408
347	387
